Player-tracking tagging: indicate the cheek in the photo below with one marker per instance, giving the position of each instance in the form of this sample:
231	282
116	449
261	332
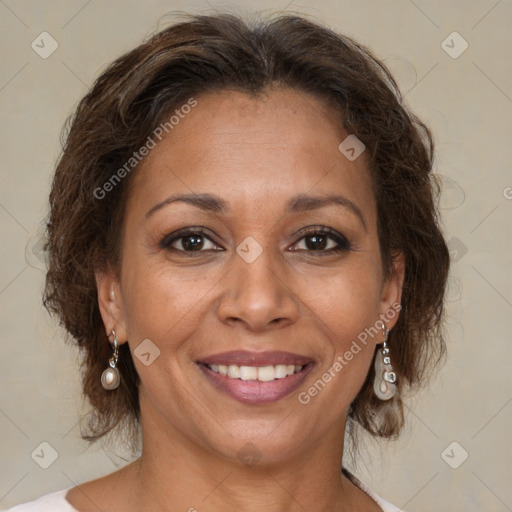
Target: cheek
166	310
347	299
356	317
345	309
161	303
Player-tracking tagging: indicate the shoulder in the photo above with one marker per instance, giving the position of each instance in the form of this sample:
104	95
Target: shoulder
53	502
108	491
386	506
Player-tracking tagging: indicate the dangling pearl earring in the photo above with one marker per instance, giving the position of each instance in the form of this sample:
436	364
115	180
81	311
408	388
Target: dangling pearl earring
385	378
110	378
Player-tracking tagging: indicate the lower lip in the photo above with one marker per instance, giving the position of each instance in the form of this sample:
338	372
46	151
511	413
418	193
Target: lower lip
254	391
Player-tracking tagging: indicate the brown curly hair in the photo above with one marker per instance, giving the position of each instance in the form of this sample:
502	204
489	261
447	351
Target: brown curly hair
203	54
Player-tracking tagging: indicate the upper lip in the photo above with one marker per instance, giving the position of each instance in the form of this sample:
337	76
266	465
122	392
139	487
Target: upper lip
247	358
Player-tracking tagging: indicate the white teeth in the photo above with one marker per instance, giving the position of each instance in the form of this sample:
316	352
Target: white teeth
266	373
233	371
261	373
248	372
281	372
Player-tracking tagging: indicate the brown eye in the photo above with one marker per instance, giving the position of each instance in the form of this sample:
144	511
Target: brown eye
316	242
326	241
189	241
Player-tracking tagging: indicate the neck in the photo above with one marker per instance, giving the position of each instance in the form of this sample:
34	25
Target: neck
175	472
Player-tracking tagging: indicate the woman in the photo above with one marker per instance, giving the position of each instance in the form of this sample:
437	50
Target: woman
243	242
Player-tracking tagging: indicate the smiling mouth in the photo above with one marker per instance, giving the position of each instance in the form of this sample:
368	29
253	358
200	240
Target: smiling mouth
256	385
256	378
260	373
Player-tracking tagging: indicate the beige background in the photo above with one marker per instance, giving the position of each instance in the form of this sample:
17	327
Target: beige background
467	101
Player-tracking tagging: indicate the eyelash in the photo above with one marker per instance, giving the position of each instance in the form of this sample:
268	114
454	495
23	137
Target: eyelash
343	244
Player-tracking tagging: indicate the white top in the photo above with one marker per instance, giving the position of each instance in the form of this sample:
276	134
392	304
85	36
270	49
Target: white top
56	502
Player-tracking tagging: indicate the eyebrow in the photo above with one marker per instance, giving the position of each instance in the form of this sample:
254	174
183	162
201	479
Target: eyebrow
297	204
304	203
206	202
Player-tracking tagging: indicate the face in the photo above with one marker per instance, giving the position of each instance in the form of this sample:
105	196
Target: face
270	263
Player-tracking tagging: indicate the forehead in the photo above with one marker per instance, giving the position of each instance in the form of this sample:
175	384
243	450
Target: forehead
253	149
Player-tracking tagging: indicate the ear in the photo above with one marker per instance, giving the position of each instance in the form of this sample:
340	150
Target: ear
111	304
391	295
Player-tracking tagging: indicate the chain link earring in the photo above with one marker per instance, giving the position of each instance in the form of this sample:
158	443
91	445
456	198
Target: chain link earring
385	378
110	378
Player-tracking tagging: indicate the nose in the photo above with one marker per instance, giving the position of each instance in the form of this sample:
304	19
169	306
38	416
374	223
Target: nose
257	296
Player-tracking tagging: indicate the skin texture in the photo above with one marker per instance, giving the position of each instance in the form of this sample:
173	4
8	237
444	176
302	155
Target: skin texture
255	153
